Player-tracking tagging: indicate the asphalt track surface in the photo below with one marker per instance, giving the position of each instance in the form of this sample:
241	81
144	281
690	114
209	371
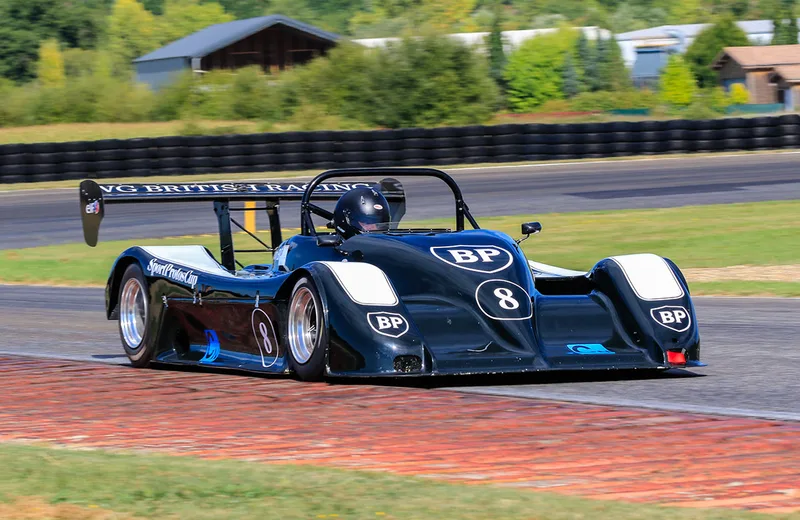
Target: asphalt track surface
750	345
41	217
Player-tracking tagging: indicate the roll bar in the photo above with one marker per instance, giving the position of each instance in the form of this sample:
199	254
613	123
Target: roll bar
307	207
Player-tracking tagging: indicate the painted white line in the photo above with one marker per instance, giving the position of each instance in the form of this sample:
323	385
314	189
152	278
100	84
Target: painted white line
630	403
106	359
676	157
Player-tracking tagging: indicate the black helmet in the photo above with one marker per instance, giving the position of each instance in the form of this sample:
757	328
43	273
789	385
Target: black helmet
361	209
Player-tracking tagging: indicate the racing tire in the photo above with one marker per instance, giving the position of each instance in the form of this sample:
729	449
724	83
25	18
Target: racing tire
306	332
134	323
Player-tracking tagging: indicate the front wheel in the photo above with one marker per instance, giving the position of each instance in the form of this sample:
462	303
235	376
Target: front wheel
134	323
306	332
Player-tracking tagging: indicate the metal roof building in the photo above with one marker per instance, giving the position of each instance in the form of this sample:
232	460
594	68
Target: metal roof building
759	32
273	42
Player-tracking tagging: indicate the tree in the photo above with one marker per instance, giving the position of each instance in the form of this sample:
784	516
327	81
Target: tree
535	71
333	15
445	15
677	86
75	24
791	28
79	62
784	24
244	8
708	44
584	58
686	11
430	81
611	71
497	55
571	84
154	6
602	78
184	17
24	24
131	32
17	54
50	68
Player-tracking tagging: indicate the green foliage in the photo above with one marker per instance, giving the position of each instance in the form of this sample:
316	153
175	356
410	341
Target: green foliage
244	8
699	109
707	104
785	24
616	100
172	98
611	71
131	32
445	15
332	15
677	85
494	44
50	68
184	17
718	100
17	54
75	24
739	95
79	62
154	6
250	94
535	71
25	24
584	56
430	81
708	44
554	106
417	82
311	118
632	16
571	85
686	11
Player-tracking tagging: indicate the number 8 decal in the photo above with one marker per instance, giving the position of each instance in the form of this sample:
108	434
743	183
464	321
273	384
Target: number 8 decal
503	300
506	298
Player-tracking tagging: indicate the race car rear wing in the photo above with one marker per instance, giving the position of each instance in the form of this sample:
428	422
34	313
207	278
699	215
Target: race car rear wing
94	197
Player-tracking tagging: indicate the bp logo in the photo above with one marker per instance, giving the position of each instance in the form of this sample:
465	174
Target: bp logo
482	259
672	317
388	323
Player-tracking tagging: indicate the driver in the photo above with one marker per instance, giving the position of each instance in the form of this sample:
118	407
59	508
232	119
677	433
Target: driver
359	210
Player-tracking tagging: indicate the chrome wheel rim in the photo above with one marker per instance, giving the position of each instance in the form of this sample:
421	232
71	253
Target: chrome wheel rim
303	325
133	313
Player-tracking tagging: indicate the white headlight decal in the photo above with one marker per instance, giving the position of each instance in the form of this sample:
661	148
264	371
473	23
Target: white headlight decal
650	277
364	283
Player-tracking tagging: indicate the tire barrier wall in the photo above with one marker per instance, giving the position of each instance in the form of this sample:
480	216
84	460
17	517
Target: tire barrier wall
177	155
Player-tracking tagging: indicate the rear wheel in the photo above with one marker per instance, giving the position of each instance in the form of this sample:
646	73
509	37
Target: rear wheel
306	332
134	326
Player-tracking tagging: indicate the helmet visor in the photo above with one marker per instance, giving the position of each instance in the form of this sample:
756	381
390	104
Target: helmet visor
370	223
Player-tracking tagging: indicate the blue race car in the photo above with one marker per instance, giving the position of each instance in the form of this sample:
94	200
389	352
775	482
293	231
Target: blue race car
367	297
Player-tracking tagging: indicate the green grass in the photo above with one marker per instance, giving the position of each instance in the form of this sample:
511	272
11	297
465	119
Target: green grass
94	131
747	288
763	233
151	486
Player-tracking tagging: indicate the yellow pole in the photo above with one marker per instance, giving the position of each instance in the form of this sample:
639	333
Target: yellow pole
250	216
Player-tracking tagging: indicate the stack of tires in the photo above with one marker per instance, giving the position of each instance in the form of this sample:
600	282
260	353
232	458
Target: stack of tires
114	158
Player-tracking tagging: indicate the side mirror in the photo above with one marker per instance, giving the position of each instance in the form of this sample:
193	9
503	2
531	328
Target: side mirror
528	229
332	240
531	228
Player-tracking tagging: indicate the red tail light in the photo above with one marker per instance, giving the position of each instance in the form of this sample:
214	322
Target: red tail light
676	357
